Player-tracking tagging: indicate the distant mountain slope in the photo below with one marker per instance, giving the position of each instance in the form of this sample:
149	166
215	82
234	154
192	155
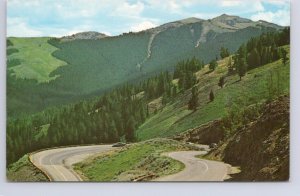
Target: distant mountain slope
33	59
97	63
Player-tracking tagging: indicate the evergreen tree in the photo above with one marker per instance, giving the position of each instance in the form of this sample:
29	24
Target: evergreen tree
213	65
181	81
224	52
240	63
230	66
221	82
254	59
211	95
284	56
130	127
193	102
242	68
174	91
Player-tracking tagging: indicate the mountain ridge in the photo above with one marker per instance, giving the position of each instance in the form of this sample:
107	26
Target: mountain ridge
223	18
100	62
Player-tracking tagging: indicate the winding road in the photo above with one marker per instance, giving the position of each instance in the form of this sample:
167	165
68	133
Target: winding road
57	163
197	169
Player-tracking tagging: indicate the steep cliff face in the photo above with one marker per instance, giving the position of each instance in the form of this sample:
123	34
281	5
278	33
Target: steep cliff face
261	148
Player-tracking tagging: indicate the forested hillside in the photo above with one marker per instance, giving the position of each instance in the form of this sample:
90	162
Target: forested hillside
188	98
90	67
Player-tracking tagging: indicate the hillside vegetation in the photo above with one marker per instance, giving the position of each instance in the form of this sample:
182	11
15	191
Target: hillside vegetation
187	98
253	88
260	146
24	171
37	80
35	59
140	161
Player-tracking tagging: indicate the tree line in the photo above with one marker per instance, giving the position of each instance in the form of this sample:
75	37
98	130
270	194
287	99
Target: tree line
261	50
117	114
185	72
258	51
110	118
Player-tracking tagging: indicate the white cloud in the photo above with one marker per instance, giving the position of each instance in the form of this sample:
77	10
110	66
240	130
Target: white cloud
19	28
170	6
106	33
205	15
29	3
277	2
281	17
126	9
143	26
230	3
61	17
245	6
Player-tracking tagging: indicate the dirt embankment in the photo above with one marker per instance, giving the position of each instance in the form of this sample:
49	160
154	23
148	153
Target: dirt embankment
260	148
24	171
209	133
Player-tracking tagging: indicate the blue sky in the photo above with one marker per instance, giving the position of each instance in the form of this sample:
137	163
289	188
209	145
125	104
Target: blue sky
29	18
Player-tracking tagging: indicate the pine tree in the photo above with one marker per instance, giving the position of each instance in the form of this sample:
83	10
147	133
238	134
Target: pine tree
224	52
221	82
284	56
254	59
193	102
242	68
211	95
213	65
174	91
230	66
130	127
182	81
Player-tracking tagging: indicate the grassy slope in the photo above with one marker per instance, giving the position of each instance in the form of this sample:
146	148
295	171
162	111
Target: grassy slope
253	88
24	171
35	57
134	161
95	66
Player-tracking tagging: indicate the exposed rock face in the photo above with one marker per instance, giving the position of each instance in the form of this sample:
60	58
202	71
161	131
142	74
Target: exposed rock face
209	133
261	148
84	35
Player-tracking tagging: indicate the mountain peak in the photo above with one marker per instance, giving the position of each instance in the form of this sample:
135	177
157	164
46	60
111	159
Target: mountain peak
84	35
226	17
190	20
232	22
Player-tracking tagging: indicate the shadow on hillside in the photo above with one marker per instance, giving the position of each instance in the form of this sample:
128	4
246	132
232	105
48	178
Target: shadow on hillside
181	119
236	81
208	72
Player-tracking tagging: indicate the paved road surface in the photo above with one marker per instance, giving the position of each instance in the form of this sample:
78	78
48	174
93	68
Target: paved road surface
197	169
57	163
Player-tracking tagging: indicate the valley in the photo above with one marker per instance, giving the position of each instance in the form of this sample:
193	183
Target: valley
164	101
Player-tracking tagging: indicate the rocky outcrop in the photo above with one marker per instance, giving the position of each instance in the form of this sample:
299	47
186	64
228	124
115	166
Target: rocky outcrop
84	35
261	148
209	133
